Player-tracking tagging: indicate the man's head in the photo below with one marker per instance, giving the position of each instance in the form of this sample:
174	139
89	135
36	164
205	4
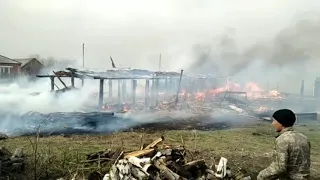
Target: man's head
283	118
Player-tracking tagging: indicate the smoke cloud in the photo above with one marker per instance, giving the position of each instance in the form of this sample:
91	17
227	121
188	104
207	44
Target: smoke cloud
294	48
294	45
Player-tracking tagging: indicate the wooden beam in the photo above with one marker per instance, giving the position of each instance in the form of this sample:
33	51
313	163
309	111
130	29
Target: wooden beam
134	87
147	88
101	93
52	83
110	88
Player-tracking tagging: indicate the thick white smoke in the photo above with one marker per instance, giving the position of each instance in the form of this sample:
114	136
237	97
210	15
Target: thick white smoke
20	100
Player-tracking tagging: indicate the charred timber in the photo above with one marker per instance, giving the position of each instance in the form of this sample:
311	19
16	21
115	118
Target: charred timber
236	92
110	89
52	83
157	91
119	94
137	78
134	87
147	89
49	76
124	90
72	80
101	93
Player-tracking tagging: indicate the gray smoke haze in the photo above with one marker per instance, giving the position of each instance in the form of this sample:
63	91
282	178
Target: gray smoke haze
296	44
293	50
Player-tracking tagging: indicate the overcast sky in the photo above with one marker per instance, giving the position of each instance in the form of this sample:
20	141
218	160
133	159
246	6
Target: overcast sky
135	32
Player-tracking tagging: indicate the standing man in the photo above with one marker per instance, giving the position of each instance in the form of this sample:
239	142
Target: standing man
292	159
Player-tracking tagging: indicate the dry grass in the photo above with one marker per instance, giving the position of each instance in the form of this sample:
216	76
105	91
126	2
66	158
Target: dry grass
249	148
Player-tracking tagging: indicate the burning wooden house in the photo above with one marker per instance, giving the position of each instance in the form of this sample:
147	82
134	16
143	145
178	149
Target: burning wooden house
167	82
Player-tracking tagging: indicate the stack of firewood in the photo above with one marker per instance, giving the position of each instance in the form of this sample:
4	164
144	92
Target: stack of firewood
156	163
9	162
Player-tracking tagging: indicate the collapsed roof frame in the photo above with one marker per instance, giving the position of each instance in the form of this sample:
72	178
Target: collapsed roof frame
123	74
131	74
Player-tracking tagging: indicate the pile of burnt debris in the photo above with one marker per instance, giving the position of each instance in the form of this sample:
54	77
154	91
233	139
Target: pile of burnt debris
11	163
156	162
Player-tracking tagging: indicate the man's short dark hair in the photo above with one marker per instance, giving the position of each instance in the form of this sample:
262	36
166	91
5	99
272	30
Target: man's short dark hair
285	117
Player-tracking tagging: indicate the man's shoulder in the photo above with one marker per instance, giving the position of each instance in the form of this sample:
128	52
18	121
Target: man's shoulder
291	136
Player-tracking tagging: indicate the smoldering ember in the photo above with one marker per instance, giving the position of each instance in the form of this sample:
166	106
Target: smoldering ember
150	101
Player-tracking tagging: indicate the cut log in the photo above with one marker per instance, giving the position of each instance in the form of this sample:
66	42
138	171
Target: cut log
209	171
164	171
107	177
18	153
139	162
125	169
194	164
139	174
155	164
114	173
210	174
157	155
229	172
179	169
116	156
139	153
154	143
178	155
166	152
222	168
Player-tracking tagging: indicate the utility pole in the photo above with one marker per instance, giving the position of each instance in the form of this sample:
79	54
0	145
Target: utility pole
82	81
83	55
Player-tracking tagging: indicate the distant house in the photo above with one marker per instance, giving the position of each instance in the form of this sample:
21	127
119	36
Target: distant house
9	67
30	66
13	67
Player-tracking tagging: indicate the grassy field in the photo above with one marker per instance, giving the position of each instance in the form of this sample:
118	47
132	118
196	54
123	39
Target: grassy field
250	148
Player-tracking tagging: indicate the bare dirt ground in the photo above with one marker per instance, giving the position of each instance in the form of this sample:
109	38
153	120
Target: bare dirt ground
250	148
